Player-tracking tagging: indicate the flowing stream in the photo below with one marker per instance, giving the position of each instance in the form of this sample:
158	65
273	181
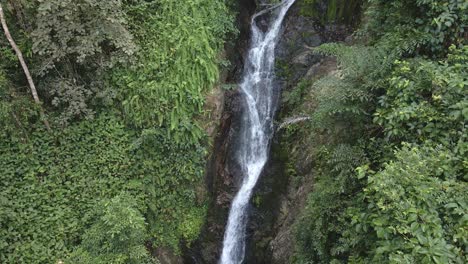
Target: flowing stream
257	124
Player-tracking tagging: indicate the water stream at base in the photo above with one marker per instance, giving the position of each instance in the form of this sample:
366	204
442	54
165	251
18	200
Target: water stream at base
257	128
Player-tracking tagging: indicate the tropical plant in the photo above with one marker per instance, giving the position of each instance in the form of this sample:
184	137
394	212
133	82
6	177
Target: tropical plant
167	87
406	201
117	235
410	214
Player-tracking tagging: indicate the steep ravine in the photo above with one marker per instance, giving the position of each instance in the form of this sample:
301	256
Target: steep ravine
279	198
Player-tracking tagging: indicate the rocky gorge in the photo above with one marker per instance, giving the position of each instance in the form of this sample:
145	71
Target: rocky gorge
233	131
280	195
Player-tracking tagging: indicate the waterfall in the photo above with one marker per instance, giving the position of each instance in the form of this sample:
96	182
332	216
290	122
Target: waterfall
257	125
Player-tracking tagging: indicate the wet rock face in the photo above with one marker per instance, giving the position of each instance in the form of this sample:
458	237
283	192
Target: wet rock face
294	55
167	256
223	172
223	176
292	197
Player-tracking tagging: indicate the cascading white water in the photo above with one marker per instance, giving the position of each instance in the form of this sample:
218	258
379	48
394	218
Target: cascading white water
257	128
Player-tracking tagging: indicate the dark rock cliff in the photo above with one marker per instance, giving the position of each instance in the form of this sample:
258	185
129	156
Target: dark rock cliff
222	178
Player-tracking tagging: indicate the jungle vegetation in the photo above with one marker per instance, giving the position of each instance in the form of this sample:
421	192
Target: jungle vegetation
391	180
118	170
106	163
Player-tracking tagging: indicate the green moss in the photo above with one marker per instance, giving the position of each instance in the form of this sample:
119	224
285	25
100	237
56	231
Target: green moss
283	69
257	201
340	11
332	10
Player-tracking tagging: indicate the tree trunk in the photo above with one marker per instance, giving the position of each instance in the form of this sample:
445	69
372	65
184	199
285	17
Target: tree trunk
19	54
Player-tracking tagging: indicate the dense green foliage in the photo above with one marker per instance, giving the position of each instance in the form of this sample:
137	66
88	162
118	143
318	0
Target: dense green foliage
117	236
391	177
180	43
76	43
122	83
51	181
414	211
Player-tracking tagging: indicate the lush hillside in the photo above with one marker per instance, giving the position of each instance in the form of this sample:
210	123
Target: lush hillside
388	134
122	85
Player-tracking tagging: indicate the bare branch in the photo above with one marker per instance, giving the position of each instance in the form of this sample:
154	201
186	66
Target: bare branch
293	120
19	54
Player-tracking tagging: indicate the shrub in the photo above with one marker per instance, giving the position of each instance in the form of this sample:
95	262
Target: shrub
117	235
411	215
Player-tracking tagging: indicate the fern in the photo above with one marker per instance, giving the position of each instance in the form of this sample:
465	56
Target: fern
349	93
178	64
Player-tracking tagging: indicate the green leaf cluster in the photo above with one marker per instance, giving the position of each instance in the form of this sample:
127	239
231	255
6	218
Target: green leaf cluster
426	100
51	181
322	222
346	95
411	215
177	64
75	44
415	26
173	186
116	236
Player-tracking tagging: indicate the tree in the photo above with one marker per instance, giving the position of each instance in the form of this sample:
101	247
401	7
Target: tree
19	54
117	236
77	43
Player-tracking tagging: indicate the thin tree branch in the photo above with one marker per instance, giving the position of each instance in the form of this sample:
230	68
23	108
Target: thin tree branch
293	120
19	54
